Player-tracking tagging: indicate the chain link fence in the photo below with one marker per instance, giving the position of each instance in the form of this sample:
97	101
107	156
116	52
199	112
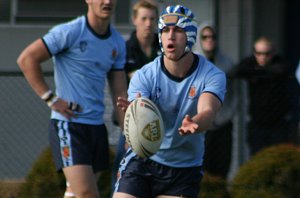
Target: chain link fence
24	125
25	117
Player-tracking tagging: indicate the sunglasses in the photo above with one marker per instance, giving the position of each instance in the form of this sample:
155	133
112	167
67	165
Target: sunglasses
205	37
268	53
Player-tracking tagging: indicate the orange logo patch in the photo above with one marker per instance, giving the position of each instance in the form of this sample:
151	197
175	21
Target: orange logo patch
118	175
192	91
66	151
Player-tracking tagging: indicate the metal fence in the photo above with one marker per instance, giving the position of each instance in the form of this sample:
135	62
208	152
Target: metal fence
25	117
24	125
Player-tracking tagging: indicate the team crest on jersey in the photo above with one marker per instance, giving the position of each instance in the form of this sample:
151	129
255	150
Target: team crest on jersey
192	92
82	46
66	151
114	53
157	94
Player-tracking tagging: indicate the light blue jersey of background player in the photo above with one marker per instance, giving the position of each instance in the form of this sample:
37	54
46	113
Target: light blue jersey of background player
80	74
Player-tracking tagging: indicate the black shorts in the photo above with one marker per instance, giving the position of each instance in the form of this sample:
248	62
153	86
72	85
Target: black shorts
147	178
79	144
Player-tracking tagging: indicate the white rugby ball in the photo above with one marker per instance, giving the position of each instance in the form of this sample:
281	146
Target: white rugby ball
143	127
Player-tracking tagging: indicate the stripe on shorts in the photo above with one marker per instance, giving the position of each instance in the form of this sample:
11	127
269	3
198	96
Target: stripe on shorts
128	156
65	143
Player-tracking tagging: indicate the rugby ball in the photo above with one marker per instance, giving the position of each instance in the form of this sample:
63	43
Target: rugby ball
143	127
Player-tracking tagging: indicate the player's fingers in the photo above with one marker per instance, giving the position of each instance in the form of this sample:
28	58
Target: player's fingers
74	107
181	131
65	114
70	112
187	117
122	106
122	102
138	95
122	99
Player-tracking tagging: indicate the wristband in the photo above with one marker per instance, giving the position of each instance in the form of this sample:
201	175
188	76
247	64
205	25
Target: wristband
52	100
47	95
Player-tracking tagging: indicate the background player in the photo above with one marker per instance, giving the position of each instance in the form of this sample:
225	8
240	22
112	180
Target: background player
85	51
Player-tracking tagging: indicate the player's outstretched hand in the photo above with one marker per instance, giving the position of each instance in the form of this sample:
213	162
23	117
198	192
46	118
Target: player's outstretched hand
188	126
123	103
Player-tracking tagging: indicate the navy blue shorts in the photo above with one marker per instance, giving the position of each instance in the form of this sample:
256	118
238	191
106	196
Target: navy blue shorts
79	144
146	178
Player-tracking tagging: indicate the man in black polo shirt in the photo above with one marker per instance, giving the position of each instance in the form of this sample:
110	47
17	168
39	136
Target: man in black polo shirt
142	46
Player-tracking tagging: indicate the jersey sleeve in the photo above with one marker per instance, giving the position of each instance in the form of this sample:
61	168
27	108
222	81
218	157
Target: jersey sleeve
216	83
138	84
121	54
58	39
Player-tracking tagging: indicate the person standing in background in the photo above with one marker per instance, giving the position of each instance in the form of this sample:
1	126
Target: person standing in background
218	140
142	47
272	109
86	51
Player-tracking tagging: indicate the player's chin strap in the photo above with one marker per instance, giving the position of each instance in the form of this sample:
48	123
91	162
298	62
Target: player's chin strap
183	55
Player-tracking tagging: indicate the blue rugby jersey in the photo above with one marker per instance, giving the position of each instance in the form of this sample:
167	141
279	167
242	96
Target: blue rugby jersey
82	59
175	98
